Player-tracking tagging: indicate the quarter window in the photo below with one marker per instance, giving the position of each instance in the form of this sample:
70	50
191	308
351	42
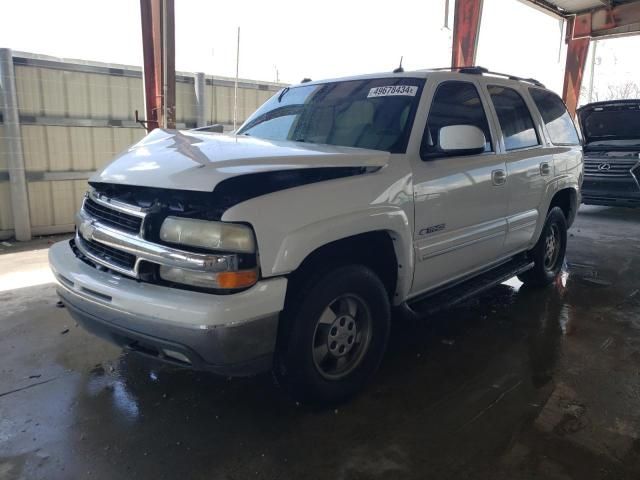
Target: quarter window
514	117
454	103
560	127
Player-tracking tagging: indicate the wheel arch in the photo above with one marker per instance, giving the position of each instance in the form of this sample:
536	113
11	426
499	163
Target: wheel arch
567	200
561	193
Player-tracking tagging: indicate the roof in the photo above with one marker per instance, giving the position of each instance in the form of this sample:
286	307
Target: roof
464	71
570	7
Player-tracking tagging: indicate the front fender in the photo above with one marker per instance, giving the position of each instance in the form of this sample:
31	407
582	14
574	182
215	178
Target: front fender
299	244
293	223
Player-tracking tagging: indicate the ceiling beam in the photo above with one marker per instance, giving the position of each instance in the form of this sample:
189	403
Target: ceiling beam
603	22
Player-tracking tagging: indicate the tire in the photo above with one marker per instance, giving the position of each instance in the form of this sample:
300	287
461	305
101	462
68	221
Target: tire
548	254
333	335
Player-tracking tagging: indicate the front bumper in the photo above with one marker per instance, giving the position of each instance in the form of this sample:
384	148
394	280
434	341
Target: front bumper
227	334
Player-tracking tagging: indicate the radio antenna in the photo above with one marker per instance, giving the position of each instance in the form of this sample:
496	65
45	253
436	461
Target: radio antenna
399	69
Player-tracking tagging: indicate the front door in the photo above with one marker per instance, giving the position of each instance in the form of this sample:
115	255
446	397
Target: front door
460	201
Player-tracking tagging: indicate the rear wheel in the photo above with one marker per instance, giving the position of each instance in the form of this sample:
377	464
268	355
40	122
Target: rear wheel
548	254
334	335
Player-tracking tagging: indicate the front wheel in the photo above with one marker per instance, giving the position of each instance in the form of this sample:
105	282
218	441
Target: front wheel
334	335
548	254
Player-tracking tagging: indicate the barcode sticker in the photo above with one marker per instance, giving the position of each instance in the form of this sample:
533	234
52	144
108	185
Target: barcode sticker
393	90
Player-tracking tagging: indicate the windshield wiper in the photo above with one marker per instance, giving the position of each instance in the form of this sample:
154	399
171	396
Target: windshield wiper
283	93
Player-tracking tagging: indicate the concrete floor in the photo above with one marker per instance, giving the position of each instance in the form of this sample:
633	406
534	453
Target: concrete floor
516	384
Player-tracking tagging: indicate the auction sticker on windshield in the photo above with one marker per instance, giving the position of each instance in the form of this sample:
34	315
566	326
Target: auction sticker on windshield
393	90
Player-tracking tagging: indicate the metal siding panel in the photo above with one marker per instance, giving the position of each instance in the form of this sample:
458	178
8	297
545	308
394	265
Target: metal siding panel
4	155
53	92
186	102
99	94
6	217
40	206
64	208
136	96
102	146
81	148
251	102
34	147
224	105
138	134
208	106
121	139
59	149
77	94
263	96
28	90
79	188
120	108
179	104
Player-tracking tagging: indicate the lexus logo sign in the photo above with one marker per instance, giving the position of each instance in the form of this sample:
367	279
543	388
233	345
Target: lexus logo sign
604	167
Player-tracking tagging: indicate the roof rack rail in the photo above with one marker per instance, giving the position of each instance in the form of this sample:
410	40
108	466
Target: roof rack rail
477	70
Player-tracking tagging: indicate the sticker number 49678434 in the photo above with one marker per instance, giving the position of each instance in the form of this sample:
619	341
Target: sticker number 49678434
407	90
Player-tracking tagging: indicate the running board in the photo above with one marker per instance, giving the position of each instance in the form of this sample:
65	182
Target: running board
448	296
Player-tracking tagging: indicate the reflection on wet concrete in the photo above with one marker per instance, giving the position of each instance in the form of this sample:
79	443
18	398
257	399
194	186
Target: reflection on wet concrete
518	383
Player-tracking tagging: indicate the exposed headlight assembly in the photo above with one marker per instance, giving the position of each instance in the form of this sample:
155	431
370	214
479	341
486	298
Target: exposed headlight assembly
229	237
225	273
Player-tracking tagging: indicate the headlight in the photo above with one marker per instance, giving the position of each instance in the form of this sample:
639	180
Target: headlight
229	237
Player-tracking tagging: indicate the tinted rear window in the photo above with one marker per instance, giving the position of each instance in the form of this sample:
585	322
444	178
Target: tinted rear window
514	117
560	127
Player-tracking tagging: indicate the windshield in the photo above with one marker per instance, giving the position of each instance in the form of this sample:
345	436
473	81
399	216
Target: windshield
373	113
611	123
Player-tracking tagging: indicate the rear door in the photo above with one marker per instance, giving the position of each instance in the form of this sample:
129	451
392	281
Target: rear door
529	163
460	201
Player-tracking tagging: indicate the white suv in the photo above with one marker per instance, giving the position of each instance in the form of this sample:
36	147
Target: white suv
287	244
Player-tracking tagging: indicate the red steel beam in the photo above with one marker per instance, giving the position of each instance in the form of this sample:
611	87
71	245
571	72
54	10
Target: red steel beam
466	30
577	49
600	22
153	42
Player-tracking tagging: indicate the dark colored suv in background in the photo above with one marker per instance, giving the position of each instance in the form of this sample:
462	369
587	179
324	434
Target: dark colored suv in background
611	133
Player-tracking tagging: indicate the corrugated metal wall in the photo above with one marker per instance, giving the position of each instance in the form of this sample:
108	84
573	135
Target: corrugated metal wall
75	116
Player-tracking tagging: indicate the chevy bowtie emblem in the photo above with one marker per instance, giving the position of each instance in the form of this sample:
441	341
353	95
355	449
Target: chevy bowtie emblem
86	230
604	167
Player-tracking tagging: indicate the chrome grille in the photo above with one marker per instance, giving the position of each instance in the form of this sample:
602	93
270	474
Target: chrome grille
110	256
609	168
112	217
109	234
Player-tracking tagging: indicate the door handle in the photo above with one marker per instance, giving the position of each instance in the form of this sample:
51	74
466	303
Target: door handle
545	168
499	177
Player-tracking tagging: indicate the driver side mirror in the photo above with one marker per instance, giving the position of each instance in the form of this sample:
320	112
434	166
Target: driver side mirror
461	140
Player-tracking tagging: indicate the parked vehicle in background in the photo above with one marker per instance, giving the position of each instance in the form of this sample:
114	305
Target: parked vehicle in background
611	133
287	244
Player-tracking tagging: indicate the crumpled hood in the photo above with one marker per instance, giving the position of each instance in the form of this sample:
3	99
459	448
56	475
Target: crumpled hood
189	160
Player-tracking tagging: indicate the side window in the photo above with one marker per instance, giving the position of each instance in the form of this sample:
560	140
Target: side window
559	124
454	103
514	117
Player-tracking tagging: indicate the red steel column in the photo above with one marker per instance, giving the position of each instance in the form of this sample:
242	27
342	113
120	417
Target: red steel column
577	50
466	30
153	41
